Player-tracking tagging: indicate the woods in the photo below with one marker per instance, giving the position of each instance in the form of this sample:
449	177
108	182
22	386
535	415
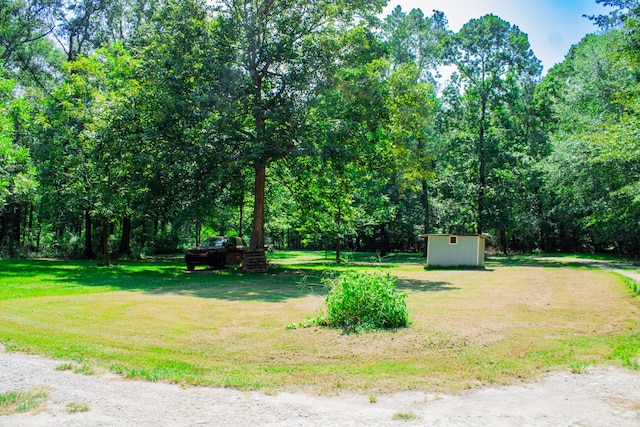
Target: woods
133	127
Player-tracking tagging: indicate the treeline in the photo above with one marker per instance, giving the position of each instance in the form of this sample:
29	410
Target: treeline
139	126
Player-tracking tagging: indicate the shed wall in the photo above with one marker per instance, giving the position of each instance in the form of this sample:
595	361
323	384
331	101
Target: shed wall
469	251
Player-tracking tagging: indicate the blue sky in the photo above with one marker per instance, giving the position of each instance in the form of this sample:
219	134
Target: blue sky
553	26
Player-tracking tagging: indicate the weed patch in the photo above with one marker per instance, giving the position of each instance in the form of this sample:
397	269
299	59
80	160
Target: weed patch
13	402
64	367
404	416
363	302
84	369
75	407
579	367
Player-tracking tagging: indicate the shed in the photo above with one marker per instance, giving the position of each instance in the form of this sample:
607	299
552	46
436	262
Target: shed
449	250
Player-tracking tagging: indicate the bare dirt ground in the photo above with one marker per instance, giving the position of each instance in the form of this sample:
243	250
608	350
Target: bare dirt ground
602	396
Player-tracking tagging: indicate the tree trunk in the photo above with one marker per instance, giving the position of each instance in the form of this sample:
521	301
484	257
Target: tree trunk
241	215
125	239
4	223
30	226
24	229
425	205
257	236
338	219
503	240
482	178
105	242
384	240
88	232
17	225
15	218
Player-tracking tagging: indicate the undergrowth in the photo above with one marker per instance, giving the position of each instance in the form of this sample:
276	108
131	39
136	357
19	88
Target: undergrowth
364	301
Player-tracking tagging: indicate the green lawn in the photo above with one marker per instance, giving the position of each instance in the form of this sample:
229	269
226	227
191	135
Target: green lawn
151	319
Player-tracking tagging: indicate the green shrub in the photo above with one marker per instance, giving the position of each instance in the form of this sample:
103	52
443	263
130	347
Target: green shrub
361	301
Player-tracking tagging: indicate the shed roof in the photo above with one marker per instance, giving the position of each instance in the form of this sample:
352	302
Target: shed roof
484	236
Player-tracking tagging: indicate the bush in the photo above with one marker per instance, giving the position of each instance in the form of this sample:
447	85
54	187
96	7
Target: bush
361	301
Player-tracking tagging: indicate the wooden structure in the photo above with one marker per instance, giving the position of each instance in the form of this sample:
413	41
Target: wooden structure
455	250
255	261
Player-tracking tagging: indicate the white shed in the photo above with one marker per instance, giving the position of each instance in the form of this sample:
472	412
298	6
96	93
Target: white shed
452	250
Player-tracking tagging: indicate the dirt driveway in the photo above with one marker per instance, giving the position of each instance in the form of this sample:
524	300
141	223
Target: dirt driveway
602	396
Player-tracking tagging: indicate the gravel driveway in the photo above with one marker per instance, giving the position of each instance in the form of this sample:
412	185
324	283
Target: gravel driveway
603	396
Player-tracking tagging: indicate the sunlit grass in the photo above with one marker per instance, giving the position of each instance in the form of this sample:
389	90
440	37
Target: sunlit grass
154	320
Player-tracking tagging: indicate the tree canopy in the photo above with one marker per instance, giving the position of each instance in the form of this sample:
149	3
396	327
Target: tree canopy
134	126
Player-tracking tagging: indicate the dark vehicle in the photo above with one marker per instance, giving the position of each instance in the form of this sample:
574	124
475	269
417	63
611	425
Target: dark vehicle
215	252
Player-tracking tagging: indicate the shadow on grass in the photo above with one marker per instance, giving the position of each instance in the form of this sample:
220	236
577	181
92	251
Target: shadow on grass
298	279
45	277
33	278
426	286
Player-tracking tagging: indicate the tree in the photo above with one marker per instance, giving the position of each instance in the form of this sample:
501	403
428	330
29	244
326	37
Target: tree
281	53
413	105
492	58
624	12
592	174
416	45
417	39
80	26
187	89
18	182
29	70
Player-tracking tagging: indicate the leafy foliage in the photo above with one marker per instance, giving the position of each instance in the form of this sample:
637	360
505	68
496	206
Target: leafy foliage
166	113
364	301
495	65
592	174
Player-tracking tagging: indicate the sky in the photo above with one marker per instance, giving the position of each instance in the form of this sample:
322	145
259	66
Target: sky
553	26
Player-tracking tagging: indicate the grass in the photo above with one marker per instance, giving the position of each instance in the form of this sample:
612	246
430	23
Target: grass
64	367
76	407
13	402
631	284
84	369
579	367
404	416
77	369
515	320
